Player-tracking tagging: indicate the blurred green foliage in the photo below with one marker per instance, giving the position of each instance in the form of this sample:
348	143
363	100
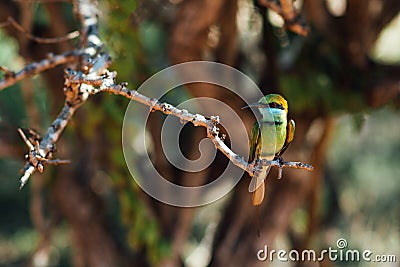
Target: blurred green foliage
125	40
12	97
120	33
367	171
363	166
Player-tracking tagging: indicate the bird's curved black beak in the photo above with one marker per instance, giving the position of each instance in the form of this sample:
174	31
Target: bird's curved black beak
256	105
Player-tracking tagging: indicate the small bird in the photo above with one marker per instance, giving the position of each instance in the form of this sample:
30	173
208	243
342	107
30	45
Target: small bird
270	137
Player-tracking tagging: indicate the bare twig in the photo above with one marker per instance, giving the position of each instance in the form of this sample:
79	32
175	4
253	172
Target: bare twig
34	68
35	159
285	8
93	64
11	22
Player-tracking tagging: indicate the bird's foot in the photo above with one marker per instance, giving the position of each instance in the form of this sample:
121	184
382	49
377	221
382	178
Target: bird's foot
280	160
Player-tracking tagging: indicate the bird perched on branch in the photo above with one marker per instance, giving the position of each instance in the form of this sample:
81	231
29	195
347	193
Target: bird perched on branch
270	137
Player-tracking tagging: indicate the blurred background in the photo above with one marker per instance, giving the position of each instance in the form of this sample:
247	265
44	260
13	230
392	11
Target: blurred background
342	82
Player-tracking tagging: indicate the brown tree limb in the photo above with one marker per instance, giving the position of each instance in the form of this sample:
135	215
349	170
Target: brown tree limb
93	64
293	20
228	45
200	28
34	68
41	40
319	16
90	236
318	158
34	158
190	32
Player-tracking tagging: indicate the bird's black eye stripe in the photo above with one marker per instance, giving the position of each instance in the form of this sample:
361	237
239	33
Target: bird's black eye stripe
275	105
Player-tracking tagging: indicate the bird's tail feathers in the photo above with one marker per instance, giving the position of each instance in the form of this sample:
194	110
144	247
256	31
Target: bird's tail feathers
257	186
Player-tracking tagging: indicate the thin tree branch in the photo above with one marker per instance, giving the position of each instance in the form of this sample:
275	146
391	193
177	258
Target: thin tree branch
10	77
93	64
11	22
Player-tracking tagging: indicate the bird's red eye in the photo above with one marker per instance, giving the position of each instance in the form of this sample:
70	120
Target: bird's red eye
275	105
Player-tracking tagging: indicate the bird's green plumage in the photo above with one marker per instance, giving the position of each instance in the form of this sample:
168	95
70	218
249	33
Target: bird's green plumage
270	137
254	140
289	136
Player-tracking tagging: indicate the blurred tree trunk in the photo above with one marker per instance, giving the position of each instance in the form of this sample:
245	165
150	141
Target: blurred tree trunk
190	41
92	241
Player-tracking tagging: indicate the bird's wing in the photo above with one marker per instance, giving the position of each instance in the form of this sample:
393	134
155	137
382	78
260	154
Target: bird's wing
254	141
257	186
289	136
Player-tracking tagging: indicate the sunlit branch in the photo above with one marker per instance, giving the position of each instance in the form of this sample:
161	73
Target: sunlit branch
10	77
93	64
35	161
94	77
